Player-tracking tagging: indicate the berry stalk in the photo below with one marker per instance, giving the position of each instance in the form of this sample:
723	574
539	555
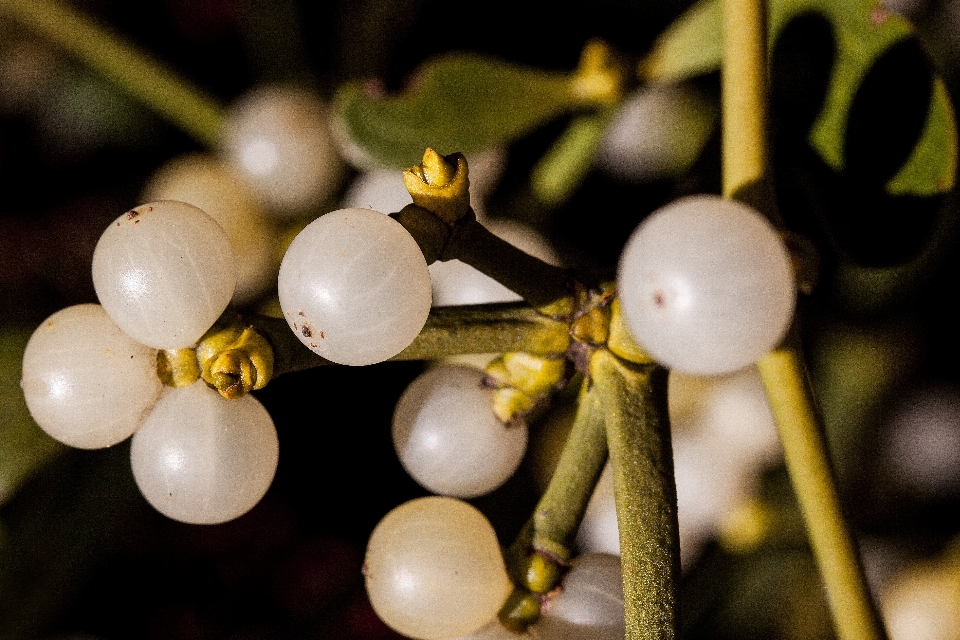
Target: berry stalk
546	542
785	378
543	286
490	328
446	228
560	510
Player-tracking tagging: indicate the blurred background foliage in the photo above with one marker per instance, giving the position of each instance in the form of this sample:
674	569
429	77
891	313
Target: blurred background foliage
82	553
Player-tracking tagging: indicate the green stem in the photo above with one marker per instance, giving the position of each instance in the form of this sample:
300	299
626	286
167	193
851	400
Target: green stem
560	510
746	177
638	435
546	541
743	94
489	328
805	451
156	86
542	285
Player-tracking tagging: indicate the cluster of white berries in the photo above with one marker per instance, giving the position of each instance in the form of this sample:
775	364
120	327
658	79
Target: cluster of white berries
705	284
163	272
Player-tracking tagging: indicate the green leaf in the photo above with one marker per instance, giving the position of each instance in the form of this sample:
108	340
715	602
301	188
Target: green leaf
691	46
563	168
23	446
457	102
931	167
863	32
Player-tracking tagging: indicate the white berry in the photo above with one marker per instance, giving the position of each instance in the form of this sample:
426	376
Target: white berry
86	382
354	287
706	285
209	184
278	138
164	272
202	459
447	437
434	569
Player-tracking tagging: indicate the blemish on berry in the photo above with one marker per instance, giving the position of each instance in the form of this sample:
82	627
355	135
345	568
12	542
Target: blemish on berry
659	299
323	336
301	313
313	344
305	330
133	213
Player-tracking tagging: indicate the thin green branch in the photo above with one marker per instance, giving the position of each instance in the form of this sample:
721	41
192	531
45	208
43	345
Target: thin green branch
560	510
490	328
746	177
805	451
546	541
543	285
744	97
638	436
142	77
557	516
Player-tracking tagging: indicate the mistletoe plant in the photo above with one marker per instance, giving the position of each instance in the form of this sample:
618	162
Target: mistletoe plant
706	285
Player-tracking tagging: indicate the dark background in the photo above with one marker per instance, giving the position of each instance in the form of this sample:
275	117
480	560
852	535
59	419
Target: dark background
82	552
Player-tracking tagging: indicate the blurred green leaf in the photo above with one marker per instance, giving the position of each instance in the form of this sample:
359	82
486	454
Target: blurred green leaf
562	169
456	102
933	163
23	446
863	32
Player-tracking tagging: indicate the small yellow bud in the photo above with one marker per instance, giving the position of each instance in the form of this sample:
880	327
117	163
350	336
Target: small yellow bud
521	610
235	360
508	403
599	78
541	574
593	327
532	374
522	379
440	184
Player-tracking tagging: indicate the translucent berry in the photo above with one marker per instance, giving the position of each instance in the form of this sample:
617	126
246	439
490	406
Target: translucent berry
202	459
434	569
355	287
448	438
164	272
706	285
87	383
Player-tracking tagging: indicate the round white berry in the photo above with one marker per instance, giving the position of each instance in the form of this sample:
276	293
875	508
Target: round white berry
278	138
354	287
202	459
164	272
209	184
434	569
448	438
86	382
706	285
